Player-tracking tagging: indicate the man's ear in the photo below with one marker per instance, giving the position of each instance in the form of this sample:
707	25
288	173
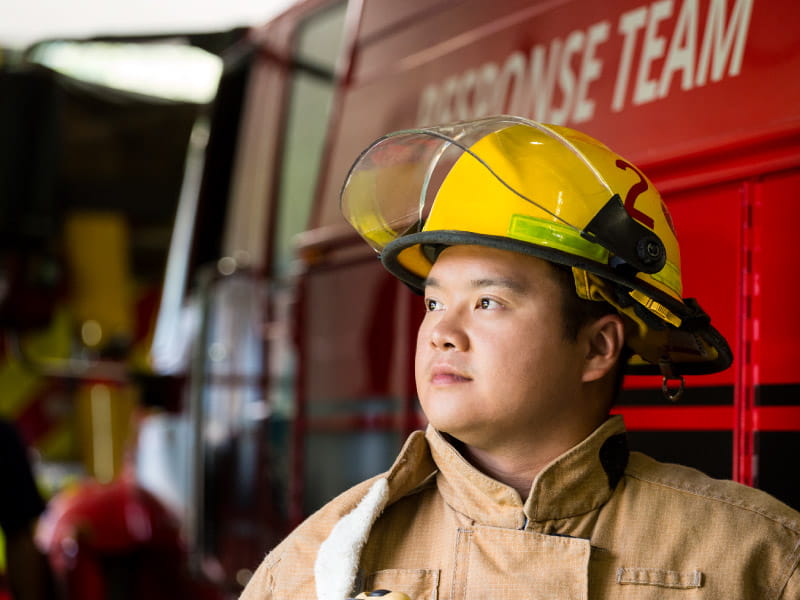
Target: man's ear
604	340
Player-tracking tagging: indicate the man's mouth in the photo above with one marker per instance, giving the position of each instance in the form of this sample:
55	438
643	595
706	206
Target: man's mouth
446	375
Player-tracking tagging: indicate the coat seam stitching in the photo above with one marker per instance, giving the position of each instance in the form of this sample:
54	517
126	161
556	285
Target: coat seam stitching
722	499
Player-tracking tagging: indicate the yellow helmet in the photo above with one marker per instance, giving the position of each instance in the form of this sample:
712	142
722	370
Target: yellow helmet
548	191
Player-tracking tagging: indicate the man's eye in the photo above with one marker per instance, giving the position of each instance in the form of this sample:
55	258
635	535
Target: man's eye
432	304
487	303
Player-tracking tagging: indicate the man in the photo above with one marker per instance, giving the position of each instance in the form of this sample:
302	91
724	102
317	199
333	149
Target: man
548	266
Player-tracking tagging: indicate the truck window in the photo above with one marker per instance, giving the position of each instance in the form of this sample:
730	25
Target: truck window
311	96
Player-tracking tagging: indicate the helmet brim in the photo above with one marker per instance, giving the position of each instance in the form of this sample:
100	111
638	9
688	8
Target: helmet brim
712	351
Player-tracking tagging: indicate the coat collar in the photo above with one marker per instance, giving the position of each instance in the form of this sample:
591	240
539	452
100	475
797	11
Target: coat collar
577	482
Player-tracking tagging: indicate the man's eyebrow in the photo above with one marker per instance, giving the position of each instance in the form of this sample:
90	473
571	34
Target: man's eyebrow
502	282
509	283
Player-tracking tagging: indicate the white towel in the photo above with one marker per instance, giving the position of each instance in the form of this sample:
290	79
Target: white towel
338	556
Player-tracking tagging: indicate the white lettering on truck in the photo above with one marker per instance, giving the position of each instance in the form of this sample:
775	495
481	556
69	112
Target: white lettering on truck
552	82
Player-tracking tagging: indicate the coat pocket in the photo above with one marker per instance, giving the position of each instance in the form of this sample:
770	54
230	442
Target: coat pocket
419	584
660	578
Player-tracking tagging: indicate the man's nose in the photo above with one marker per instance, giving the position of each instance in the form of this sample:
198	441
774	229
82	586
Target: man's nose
448	333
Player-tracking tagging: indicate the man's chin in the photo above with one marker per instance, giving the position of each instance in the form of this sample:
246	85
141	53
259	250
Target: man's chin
459	434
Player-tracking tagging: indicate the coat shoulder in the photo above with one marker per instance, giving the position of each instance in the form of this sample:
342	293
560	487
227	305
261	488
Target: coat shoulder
688	485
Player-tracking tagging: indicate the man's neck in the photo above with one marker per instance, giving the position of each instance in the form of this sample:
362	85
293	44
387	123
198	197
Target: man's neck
517	465
517	472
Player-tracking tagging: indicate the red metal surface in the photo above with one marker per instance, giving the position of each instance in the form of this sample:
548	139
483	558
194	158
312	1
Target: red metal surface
677	418
775	287
589	53
776	418
707	418
743	397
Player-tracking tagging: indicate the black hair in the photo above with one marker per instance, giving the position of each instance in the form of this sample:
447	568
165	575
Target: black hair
577	312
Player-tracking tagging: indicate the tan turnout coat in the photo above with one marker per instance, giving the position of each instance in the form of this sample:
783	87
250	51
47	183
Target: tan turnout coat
599	523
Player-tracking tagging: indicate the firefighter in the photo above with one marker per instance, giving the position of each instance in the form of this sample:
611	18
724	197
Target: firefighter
548	266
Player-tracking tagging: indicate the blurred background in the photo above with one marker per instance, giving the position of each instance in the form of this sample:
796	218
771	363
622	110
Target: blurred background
105	112
196	352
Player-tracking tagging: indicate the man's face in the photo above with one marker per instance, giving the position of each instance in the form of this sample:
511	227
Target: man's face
493	365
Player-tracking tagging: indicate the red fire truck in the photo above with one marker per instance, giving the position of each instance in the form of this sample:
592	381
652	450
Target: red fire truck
297	347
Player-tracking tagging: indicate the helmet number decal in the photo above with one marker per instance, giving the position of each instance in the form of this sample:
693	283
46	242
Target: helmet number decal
633	193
